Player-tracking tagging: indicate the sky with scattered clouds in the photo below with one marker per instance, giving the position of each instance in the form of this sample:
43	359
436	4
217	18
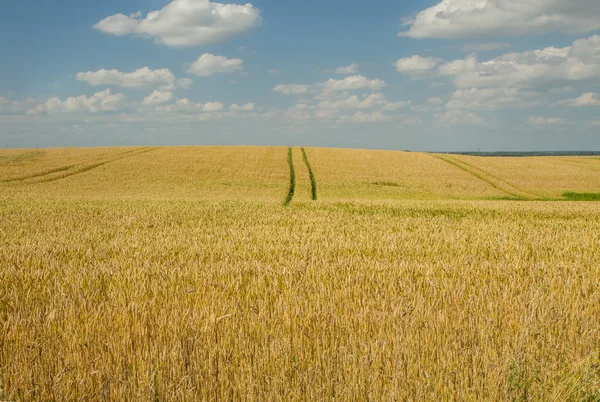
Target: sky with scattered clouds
434	75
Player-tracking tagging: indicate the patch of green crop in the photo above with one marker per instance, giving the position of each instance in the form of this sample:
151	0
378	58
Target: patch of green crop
582	196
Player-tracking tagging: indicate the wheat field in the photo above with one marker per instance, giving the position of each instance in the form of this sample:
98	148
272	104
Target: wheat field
177	274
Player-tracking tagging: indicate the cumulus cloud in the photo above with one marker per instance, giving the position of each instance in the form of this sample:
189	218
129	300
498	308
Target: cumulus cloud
586	99
459	117
492	98
184	23
538	68
158	98
300	111
29	106
545	121
186	106
416	64
213	107
248	107
354	102
144	77
104	101
329	88
362	117
347	70
209	64
292	89
354	82
486	18
396	105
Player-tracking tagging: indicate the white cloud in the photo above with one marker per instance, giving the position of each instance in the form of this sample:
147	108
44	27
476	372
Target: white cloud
292	89
248	107
396	105
213	107
459	117
348	70
158	98
330	87
486	18
416	64
144	77
273	71
586	99
593	123
300	111
104	101
190	110
209	64
492	98
485	47
354	82
550	67
188	107
545	121
436	100
184	23
362	117
354	102
29	106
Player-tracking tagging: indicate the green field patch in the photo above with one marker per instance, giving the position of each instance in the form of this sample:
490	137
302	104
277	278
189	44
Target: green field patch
582	196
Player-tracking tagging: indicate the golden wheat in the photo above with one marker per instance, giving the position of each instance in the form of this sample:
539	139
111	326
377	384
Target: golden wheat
176	274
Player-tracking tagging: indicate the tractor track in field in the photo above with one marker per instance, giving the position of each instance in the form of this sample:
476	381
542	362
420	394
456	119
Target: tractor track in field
313	180
59	169
92	166
40	174
292	188
492	180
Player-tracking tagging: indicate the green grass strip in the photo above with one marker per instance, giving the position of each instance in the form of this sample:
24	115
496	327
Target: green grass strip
582	196
292	189
313	180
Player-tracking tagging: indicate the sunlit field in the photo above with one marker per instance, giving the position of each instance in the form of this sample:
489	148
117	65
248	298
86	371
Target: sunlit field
161	274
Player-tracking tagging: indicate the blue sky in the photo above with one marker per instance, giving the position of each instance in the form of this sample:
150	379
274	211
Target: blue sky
441	75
